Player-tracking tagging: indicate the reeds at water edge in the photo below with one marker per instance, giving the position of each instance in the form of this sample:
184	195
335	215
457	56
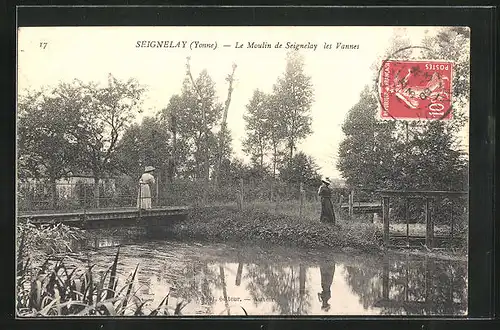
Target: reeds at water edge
54	289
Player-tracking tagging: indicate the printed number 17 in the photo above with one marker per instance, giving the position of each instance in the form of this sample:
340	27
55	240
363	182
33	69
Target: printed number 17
43	45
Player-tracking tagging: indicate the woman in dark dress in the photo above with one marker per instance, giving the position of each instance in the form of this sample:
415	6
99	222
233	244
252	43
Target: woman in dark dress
324	191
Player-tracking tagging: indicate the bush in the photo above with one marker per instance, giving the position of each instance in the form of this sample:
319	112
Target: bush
46	238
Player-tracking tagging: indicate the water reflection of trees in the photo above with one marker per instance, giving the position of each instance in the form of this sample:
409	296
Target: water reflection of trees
365	283
196	283
278	285
412	286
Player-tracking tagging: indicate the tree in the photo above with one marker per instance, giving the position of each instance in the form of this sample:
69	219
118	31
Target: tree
105	114
423	154
207	101
294	96
179	147
257	141
223	132
366	155
300	169
277	132
224	151
439	142
144	144
196	112
45	147
413	145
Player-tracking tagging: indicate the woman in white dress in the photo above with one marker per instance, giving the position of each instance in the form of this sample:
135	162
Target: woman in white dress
144	198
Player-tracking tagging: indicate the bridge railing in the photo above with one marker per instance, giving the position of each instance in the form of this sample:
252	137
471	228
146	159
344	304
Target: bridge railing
432	216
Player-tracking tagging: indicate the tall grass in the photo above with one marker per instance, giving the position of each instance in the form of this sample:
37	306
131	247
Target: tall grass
55	289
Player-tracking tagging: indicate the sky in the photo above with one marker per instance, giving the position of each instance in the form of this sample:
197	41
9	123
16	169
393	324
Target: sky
49	55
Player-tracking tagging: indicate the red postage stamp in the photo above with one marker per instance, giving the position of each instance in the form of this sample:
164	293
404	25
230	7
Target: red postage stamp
416	89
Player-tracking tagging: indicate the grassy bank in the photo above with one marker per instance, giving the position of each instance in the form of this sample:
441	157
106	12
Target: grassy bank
256	225
272	226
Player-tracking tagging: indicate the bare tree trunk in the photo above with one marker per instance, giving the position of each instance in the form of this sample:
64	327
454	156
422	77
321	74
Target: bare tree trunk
230	79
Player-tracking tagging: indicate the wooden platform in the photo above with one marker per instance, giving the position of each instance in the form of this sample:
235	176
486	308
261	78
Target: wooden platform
112	217
363	207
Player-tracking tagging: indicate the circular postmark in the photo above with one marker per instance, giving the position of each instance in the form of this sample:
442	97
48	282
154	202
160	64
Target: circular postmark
414	89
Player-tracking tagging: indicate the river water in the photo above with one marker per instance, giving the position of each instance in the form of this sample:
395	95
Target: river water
228	279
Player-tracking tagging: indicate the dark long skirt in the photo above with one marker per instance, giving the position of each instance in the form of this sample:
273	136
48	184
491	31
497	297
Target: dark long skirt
327	213
327	272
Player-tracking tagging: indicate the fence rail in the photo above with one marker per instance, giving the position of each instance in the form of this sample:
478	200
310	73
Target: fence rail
298	199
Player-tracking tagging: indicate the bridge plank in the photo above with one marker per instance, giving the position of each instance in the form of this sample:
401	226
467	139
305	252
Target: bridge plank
103	214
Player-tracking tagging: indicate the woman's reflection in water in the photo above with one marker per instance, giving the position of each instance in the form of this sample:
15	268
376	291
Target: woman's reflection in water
327	271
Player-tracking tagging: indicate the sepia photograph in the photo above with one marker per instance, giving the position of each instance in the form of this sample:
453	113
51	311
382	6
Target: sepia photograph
206	171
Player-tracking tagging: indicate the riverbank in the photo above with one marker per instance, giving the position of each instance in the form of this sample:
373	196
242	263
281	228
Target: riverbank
227	224
258	226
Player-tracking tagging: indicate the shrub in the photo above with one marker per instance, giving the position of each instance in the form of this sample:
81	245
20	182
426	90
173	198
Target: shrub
46	238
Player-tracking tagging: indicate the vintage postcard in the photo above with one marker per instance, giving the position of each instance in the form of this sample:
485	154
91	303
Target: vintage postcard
221	171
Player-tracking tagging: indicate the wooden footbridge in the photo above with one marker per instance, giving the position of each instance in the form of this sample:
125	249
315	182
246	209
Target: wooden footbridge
429	202
362	207
108	217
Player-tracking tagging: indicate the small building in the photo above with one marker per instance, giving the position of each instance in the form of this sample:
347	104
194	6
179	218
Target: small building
66	187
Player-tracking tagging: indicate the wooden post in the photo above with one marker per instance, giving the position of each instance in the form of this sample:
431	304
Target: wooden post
385	217
429	222
351	203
